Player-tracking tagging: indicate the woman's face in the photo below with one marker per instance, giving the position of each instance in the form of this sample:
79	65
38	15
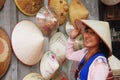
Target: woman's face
91	39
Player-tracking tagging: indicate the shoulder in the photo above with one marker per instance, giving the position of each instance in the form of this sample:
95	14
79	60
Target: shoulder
98	66
100	59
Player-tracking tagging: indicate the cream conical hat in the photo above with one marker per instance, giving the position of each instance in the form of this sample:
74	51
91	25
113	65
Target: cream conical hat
77	10
48	65
102	29
110	2
33	76
114	65
58	39
27	42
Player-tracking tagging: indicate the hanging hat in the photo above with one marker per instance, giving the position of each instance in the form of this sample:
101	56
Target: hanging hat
57	45
69	28
114	65
27	42
110	2
48	65
46	21
77	10
29	7
61	9
5	52
33	76
102	29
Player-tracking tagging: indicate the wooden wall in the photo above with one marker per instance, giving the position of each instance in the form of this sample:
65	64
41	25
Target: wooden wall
10	15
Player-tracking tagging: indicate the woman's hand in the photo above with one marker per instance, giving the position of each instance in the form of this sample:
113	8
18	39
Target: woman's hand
74	33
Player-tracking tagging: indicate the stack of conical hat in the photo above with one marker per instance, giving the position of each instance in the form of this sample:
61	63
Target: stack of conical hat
2	4
110	2
27	42
5	52
77	10
29	7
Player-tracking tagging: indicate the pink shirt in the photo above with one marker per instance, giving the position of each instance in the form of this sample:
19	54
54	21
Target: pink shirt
98	70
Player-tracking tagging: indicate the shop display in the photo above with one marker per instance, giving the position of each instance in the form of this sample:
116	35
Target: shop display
33	76
2	2
57	45
77	10
48	65
110	2
46	21
27	42
61	9
5	52
29	7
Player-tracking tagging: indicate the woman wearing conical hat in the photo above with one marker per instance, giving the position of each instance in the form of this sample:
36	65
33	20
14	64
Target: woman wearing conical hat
92	58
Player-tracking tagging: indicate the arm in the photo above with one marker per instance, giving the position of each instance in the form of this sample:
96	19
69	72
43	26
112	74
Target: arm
70	53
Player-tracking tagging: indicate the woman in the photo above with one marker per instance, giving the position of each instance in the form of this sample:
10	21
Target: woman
93	57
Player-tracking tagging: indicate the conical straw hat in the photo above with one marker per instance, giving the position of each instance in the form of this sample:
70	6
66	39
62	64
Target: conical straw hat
77	10
57	45
102	29
110	2
33	76
29	7
48	65
5	52
61	9
27	42
114	65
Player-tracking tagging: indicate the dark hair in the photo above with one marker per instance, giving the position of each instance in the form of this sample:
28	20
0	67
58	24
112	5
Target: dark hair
104	49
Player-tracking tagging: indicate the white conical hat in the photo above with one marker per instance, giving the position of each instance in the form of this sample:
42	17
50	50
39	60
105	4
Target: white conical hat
33	76
114	65
48	65
110	2
57	45
102	29
27	42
